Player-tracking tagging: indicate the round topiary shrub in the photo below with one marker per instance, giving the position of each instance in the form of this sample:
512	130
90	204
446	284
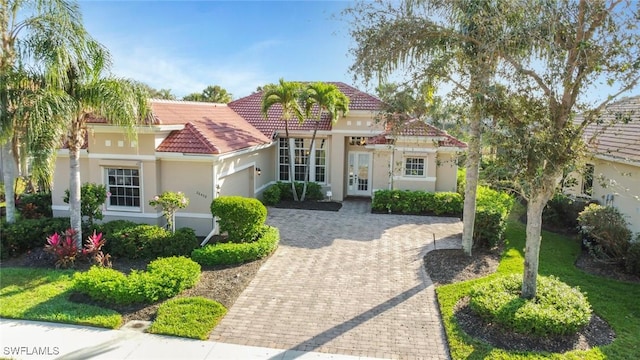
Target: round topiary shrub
241	218
557	309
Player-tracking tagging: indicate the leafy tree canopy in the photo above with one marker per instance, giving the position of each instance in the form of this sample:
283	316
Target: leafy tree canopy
212	93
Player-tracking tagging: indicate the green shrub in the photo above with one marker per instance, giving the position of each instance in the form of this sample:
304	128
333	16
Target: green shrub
314	190
191	317
461	180
35	205
557	309
28	234
142	241
109	229
632	260
230	253
417	202
562	212
164	278
271	196
492	211
242	218
92	197
606	232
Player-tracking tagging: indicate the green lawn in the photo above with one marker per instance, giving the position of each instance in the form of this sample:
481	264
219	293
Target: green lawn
192	317
617	302
43	294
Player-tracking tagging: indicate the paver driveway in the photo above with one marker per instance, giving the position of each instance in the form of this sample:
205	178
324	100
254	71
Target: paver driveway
347	282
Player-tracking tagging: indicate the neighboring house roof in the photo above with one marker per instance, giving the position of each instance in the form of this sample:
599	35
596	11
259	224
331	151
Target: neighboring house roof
209	128
249	108
617	133
416	127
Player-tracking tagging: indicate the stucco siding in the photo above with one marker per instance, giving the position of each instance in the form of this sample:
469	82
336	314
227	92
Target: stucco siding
623	183
446	172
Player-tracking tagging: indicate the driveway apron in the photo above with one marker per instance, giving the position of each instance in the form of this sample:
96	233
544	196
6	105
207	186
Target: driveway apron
347	282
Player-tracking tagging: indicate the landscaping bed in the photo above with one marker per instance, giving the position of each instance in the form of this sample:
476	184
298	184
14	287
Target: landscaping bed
447	266
220	283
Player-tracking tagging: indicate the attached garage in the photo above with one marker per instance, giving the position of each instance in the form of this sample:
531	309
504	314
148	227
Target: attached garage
239	183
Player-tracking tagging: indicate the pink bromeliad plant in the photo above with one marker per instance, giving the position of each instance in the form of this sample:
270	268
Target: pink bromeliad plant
66	252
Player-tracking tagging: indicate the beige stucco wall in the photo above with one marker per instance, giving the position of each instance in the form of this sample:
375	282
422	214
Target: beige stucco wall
119	143
381	170
619	179
446	172
61	178
623	181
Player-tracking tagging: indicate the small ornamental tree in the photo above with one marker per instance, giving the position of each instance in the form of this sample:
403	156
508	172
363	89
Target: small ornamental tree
93	197
170	202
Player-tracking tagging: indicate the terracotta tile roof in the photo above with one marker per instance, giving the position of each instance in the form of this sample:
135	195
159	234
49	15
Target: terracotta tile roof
416	127
249	108
209	128
617	139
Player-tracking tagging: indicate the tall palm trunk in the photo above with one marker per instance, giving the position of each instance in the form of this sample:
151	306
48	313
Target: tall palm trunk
290	161
308	164
9	178
478	85
74	195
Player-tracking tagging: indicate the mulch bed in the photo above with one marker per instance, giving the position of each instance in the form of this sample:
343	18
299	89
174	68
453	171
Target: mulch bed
447	266
310	205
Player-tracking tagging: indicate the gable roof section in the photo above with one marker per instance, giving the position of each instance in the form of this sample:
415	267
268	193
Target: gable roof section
209	128
616	139
249	108
416	127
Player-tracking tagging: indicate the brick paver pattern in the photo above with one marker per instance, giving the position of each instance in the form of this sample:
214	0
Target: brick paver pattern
347	282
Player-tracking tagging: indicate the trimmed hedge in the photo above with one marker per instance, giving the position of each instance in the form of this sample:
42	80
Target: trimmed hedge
230	253
417	202
241	218
28	234
492	211
557	309
272	195
281	191
142	241
164	278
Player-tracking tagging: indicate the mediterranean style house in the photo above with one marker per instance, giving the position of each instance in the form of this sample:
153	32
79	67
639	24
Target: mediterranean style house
206	150
612	172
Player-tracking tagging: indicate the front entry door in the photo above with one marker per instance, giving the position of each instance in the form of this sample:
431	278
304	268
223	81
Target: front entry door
359	174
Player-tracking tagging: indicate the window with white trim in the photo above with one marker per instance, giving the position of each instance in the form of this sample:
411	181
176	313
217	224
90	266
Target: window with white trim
123	186
317	164
414	166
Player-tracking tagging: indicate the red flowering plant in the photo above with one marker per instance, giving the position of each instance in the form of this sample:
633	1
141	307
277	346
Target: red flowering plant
66	252
93	250
63	248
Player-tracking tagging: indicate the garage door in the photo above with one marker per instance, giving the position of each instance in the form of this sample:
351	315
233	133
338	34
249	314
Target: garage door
239	183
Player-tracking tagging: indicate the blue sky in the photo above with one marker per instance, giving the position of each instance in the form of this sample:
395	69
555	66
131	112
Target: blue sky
187	45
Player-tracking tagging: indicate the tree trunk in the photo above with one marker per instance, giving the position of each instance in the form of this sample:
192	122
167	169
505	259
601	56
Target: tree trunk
9	178
471	185
74	195
308	164
535	206
291	173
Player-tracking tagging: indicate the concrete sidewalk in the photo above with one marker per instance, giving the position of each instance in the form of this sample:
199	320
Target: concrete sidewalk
31	340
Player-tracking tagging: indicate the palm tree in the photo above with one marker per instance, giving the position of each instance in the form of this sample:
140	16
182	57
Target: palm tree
286	94
39	33
327	98
89	92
